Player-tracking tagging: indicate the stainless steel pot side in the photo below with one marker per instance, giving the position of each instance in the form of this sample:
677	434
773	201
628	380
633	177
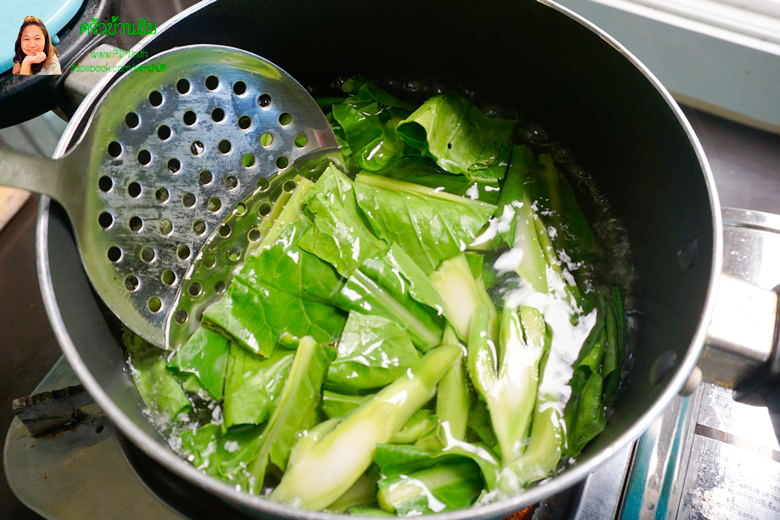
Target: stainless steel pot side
559	71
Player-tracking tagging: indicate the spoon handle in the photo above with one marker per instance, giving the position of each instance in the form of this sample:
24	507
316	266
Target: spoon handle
36	174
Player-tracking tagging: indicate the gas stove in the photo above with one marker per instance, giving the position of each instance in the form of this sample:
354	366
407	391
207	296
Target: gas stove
707	456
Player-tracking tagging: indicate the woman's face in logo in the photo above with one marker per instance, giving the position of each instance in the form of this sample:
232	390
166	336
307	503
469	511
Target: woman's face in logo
32	40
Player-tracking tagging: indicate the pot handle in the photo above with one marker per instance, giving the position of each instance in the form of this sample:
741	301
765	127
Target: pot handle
742	349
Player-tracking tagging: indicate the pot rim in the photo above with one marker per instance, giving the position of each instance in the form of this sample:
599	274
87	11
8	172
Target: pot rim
569	477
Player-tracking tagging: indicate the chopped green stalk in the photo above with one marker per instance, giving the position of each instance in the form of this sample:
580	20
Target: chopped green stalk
461	293
423	334
542	455
511	398
481	360
448	485
336	405
400	186
422	422
296	410
454	396
309	439
563	212
362	493
334	464
290	212
548	431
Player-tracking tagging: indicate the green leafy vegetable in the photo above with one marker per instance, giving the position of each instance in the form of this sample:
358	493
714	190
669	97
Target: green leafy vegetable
334	369
459	137
338	234
424	171
253	385
283	289
223	455
430	227
296	409
393	286
372	353
204	355
157	385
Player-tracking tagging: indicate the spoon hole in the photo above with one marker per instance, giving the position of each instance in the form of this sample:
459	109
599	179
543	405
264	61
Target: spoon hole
105	183
199	227
136	224
183	86
144	157
134	189
105	220
166	227
168	277
217	114
183	251
174	165
147	255
212	82
205	177
132	120
155	98
114	149
155	304
114	253
239	88
131	282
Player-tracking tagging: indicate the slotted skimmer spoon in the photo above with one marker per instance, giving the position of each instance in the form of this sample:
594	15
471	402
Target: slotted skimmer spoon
169	155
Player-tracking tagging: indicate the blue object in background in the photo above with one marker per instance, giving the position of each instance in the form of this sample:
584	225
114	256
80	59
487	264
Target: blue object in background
54	14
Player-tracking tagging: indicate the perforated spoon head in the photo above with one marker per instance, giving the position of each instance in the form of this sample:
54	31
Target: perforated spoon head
171	151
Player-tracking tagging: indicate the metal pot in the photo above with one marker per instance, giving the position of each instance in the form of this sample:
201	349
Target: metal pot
558	70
